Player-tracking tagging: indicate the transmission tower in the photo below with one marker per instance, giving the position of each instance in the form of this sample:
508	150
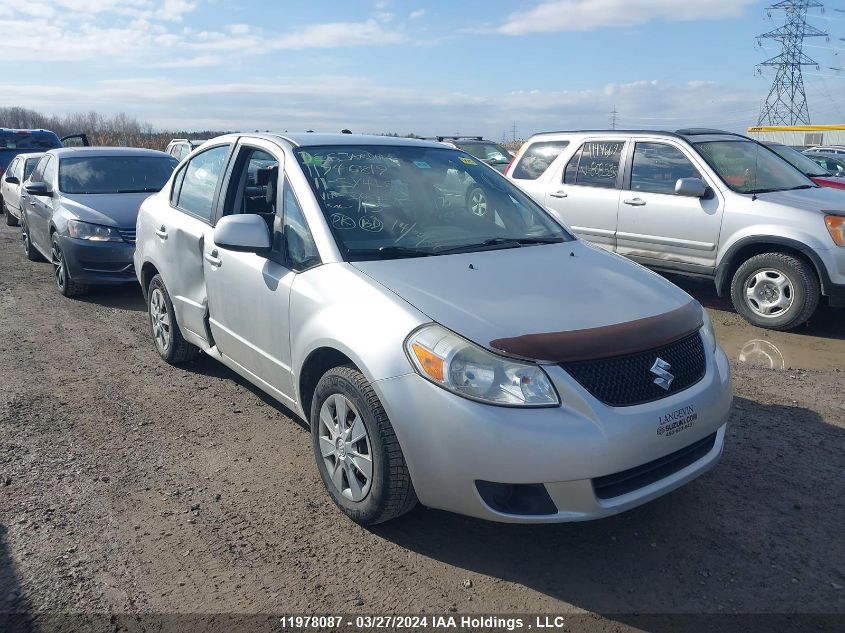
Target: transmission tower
787	101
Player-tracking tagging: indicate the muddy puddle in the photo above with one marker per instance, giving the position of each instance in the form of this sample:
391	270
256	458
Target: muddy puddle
818	345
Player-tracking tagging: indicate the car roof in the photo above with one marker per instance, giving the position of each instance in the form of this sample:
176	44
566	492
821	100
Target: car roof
106	151
697	135
314	139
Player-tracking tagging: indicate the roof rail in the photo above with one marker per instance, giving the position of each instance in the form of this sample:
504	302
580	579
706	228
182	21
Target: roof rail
440	139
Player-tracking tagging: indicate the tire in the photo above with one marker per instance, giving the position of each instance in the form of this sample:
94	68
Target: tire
67	286
776	291
389	492
167	337
29	250
477	202
10	219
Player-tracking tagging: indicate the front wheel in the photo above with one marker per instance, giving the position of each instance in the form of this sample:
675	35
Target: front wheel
168	339
775	291
67	286
29	249
357	452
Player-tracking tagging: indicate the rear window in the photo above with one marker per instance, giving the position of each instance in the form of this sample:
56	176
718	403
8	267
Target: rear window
28	140
537	158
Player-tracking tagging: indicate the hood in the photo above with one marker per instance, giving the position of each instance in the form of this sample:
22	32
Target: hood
816	199
495	296
110	209
829	181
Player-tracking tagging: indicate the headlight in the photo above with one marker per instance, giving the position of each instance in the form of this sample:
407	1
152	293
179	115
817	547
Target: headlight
93	232
468	370
836	228
708	332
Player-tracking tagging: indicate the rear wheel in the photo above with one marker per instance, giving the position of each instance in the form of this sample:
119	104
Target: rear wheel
776	291
357	452
10	219
167	336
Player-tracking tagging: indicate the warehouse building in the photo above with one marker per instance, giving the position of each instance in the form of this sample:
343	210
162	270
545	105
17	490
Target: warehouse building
801	136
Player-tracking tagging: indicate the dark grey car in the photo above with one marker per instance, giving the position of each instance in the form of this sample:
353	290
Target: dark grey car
80	211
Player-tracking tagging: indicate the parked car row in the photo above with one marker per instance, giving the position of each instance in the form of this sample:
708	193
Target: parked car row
440	326
482	361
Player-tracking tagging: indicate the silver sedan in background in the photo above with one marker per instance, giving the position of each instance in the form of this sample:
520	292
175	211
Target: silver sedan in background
487	364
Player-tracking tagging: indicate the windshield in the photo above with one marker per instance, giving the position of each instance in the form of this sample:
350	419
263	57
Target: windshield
748	167
384	202
799	161
114	174
488	152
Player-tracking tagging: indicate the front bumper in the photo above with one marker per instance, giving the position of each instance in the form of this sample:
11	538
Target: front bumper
833	261
97	263
451	443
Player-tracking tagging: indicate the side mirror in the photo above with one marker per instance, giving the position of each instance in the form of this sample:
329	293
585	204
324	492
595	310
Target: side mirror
13	180
247	233
38	189
690	187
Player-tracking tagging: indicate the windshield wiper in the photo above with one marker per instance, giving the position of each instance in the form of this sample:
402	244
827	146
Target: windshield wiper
801	187
502	242
390	252
148	190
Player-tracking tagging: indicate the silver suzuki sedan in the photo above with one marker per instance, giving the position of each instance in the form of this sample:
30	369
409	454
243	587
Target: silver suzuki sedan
481	361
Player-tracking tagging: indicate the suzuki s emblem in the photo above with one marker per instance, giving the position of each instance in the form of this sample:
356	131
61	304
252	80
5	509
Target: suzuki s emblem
661	370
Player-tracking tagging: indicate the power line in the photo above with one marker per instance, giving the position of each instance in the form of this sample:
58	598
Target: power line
787	100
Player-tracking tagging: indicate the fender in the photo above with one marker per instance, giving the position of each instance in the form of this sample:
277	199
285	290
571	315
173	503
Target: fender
727	264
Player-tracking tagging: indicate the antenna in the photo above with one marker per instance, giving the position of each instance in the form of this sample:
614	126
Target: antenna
513	132
613	117
787	101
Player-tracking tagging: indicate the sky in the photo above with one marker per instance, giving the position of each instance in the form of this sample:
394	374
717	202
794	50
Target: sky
425	67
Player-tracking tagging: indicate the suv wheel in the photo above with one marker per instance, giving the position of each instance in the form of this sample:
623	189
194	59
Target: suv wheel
67	286
775	291
357	453
167	336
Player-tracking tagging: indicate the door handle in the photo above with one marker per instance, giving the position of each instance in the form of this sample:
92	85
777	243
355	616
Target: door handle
162	232
636	202
212	259
31	201
558	194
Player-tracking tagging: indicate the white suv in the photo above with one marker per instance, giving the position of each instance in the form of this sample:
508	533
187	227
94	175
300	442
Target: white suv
698	202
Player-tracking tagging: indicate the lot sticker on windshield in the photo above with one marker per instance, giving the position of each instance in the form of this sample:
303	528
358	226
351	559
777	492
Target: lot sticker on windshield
422	164
466	161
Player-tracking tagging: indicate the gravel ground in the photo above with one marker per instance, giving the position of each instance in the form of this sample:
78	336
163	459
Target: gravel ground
129	486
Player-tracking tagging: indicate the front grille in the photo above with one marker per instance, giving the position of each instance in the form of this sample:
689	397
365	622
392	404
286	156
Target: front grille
621	483
624	381
128	235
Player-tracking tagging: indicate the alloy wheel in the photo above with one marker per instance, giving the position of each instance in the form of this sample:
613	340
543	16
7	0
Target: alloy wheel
345	447
59	267
769	293
160	320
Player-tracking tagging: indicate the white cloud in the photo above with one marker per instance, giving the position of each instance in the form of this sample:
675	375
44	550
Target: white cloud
415	15
339	34
584	15
331	103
